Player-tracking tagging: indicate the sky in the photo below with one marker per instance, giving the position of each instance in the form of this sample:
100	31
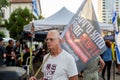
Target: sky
49	7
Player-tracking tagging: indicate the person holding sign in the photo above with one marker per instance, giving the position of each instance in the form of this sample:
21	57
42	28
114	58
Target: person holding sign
59	65
92	70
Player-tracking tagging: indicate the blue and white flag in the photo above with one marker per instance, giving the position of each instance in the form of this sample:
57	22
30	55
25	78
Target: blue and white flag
117	34
114	16
35	9
117	39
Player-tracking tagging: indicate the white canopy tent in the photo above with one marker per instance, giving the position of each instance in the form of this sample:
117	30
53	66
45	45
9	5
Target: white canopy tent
59	21
106	26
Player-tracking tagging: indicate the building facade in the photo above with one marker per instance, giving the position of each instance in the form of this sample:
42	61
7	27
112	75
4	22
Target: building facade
14	4
104	10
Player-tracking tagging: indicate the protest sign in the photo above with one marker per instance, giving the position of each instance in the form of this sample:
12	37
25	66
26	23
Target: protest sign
82	36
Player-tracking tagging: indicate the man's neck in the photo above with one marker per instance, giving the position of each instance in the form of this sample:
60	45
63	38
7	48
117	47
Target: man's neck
55	52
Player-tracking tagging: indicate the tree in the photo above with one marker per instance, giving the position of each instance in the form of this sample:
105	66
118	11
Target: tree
2	34
3	3
17	20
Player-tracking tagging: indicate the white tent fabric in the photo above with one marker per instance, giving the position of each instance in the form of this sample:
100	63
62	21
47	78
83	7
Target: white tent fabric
59	20
106	26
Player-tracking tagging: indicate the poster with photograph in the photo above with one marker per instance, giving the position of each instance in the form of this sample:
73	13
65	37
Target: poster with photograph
82	37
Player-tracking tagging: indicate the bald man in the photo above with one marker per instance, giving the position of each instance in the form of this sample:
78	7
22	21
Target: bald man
60	65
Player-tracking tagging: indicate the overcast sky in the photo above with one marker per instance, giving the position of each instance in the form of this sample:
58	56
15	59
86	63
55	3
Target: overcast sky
49	7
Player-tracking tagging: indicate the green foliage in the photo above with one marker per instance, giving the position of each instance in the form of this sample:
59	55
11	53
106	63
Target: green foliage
40	17
2	34
3	3
17	20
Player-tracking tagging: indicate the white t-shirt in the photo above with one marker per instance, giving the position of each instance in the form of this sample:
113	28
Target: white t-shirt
60	67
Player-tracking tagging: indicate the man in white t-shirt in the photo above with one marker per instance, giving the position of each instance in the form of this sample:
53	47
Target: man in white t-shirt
60	65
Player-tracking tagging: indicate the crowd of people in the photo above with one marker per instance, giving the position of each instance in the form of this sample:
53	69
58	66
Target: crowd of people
12	53
58	63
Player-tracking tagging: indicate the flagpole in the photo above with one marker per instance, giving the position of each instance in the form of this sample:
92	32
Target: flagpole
31	72
40	7
31	50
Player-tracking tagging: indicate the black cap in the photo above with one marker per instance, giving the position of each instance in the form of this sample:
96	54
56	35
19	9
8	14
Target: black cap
1	39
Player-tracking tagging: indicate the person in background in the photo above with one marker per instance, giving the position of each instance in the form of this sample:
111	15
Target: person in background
16	49
107	57
26	53
60	65
2	52
10	55
92	70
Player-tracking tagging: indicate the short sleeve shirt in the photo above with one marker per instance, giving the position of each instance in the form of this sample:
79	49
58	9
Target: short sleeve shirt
60	67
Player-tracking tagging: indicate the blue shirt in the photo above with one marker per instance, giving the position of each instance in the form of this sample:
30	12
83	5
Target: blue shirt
107	55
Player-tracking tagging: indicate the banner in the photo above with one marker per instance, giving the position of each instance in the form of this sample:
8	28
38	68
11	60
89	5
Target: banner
82	36
117	38
35	9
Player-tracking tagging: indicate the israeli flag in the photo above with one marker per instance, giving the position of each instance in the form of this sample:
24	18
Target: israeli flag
114	18
117	39
117	34
35	9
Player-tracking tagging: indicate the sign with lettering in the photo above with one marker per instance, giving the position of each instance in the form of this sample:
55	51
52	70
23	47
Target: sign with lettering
82	39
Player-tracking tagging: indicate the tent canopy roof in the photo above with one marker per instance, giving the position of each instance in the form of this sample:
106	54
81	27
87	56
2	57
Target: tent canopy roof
106	26
59	19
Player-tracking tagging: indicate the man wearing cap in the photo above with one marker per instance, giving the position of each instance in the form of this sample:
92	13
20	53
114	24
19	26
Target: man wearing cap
2	52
